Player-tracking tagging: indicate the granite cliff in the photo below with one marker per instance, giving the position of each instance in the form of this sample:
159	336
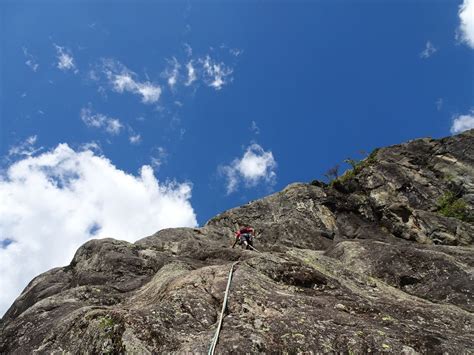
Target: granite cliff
380	260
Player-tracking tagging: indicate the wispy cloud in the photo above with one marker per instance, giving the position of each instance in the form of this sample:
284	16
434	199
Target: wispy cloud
113	126
428	51
181	72
236	52
462	123
134	137
187	29
124	80
256	166
191	77
92	146
216	74
97	120
65	59
158	157
439	104
213	73
188	49
25	148
254	128
171	73
30	60
208	70
465	32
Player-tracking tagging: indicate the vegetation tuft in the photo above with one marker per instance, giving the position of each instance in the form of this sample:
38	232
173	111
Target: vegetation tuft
450	205
106	322
357	166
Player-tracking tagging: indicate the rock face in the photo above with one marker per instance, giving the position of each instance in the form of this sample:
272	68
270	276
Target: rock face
379	260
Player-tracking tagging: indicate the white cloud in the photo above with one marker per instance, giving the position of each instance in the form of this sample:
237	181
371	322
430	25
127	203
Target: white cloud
439	104
102	92
187	29
134	137
30	60
54	202
150	92
462	123
188	49
191	73
466	27
92	146
98	120
428	51
254	128
215	74
178	72
256	166
172	72
158	157
65	59
236	52
113	126
25	148
124	80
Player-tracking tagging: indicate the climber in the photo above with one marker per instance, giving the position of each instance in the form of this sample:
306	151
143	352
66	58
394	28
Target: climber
245	236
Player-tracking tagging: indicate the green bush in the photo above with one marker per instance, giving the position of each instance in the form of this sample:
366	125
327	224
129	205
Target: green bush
450	205
357	167
348	175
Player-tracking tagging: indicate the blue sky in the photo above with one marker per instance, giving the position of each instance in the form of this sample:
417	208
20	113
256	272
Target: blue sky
225	101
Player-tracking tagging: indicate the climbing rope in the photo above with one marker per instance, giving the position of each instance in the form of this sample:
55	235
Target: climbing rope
224	305
253	248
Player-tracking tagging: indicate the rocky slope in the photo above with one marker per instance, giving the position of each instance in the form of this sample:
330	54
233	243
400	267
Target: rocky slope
379	260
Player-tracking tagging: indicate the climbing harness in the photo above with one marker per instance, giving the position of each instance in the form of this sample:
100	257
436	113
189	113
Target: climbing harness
224	305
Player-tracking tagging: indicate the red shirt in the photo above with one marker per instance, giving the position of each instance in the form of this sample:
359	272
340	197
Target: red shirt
244	231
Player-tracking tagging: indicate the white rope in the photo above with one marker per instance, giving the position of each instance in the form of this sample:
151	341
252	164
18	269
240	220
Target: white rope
253	248
212	348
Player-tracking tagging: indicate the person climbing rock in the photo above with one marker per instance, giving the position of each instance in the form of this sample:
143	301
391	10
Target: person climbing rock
244	236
